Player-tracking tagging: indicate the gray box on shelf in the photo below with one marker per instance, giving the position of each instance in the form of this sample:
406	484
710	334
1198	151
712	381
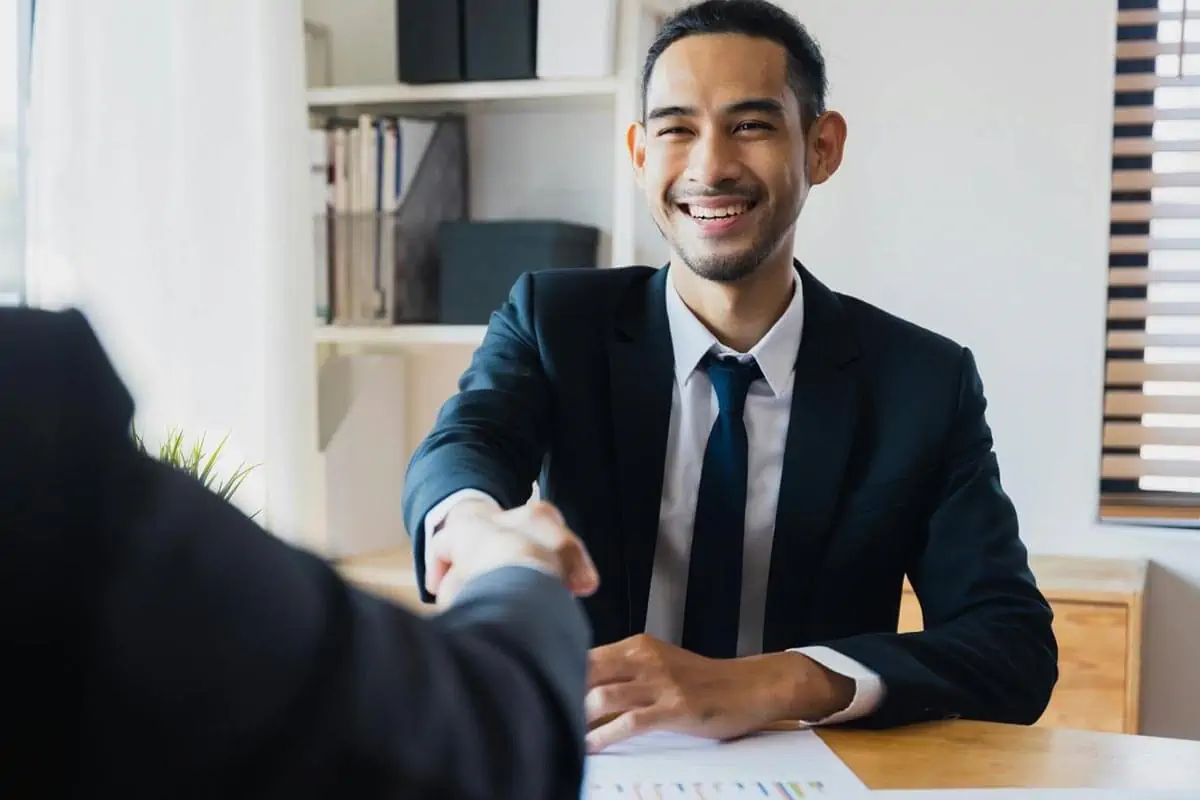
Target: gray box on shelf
429	44
499	39
481	260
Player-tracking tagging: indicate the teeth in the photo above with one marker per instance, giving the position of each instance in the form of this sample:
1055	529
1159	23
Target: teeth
717	213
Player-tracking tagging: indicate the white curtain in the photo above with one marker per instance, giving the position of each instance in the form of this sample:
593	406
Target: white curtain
168	199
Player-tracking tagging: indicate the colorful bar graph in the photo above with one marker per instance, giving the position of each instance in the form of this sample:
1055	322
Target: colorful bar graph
679	790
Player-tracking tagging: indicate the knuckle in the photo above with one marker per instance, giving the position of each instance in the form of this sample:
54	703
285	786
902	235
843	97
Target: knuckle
637	721
542	511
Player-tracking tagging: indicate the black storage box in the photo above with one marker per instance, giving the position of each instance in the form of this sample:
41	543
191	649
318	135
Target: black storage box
429	41
480	261
499	39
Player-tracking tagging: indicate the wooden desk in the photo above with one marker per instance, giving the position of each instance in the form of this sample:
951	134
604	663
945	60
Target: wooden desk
962	754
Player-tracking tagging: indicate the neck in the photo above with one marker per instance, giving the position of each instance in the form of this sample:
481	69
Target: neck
739	313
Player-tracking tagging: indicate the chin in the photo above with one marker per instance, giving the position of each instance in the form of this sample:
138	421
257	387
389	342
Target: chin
728	267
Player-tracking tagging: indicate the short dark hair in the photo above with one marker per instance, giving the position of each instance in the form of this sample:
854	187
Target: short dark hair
760	19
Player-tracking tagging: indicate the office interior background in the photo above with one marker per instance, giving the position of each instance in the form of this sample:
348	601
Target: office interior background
1021	176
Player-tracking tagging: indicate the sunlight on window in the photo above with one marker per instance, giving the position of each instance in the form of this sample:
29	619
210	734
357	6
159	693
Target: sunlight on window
1172	355
1175	161
1176	194
1167	65
11	216
1169	483
1166	292
1173	259
1175	228
1176	5
1173	325
1169	30
1171	420
1171	389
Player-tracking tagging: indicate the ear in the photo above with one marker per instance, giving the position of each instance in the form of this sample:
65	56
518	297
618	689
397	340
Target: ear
635	141
826	143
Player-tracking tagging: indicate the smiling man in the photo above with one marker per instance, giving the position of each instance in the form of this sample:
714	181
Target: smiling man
755	461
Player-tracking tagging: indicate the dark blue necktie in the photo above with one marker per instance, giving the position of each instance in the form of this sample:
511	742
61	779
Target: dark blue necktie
714	587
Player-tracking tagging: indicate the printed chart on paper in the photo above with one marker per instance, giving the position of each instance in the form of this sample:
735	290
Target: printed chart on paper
794	765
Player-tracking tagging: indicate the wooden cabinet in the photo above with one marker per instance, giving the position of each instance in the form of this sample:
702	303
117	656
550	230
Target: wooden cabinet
1098	622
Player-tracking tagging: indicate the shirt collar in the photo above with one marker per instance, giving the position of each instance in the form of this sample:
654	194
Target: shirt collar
775	352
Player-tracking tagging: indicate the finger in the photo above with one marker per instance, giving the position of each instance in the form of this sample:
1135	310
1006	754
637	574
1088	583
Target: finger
604	703
538	521
610	664
439	558
581	575
450	587
435	573
544	524
627	725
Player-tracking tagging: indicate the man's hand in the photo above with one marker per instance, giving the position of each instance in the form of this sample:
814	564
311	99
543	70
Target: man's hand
642	684
482	539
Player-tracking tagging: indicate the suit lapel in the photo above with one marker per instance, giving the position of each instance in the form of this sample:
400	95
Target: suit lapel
641	364
819	439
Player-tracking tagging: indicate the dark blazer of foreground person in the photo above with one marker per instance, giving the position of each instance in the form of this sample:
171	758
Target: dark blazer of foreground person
157	643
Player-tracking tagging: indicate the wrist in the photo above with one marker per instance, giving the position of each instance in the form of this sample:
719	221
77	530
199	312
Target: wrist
795	687
470	507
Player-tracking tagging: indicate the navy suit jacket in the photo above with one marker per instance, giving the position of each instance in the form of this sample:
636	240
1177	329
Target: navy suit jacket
157	643
888	472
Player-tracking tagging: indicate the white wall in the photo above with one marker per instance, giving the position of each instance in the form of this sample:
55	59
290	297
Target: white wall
974	200
169	199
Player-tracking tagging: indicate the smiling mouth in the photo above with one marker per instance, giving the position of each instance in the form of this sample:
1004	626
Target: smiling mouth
717	213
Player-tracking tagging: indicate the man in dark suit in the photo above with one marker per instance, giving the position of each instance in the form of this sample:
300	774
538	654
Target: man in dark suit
755	461
157	643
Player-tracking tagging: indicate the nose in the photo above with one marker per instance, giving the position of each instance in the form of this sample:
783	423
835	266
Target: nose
712	160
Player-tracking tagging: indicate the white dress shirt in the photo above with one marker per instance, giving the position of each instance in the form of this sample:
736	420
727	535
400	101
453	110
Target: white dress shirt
693	411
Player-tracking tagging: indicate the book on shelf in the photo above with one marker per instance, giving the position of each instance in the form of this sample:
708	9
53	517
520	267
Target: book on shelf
381	187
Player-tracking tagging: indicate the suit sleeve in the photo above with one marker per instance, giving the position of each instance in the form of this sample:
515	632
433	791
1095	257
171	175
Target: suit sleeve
491	436
988	650
221	662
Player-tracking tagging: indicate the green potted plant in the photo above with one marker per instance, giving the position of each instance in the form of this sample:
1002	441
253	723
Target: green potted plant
195	461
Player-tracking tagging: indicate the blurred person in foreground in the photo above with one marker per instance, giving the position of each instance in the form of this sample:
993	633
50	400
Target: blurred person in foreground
160	644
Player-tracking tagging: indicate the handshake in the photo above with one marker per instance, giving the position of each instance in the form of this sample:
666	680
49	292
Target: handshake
478	537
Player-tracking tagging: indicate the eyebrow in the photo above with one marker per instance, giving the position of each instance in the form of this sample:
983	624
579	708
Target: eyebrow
763	105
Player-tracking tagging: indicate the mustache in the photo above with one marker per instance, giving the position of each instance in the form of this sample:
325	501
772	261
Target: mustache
750	194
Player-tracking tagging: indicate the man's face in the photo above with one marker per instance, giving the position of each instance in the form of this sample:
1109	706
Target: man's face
722	155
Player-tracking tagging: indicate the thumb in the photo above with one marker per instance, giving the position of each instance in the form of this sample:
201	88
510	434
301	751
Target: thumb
579	571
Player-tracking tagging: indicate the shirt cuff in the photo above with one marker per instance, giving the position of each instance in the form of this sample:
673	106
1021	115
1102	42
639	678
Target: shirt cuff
437	514
868	686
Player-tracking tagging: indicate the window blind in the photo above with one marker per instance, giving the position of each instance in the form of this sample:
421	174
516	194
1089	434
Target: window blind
1150	464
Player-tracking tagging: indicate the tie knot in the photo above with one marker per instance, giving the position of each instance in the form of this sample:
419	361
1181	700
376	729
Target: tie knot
731	381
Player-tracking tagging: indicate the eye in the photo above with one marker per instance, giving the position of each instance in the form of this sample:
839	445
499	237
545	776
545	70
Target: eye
752	125
675	130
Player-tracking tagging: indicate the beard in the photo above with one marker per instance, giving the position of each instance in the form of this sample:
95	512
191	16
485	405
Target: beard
732	266
728	267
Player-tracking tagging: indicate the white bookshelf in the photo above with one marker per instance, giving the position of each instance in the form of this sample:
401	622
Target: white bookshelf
511	115
399	335
401	95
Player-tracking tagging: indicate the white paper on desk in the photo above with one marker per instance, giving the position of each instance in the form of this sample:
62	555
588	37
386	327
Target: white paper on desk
792	764
1036	794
